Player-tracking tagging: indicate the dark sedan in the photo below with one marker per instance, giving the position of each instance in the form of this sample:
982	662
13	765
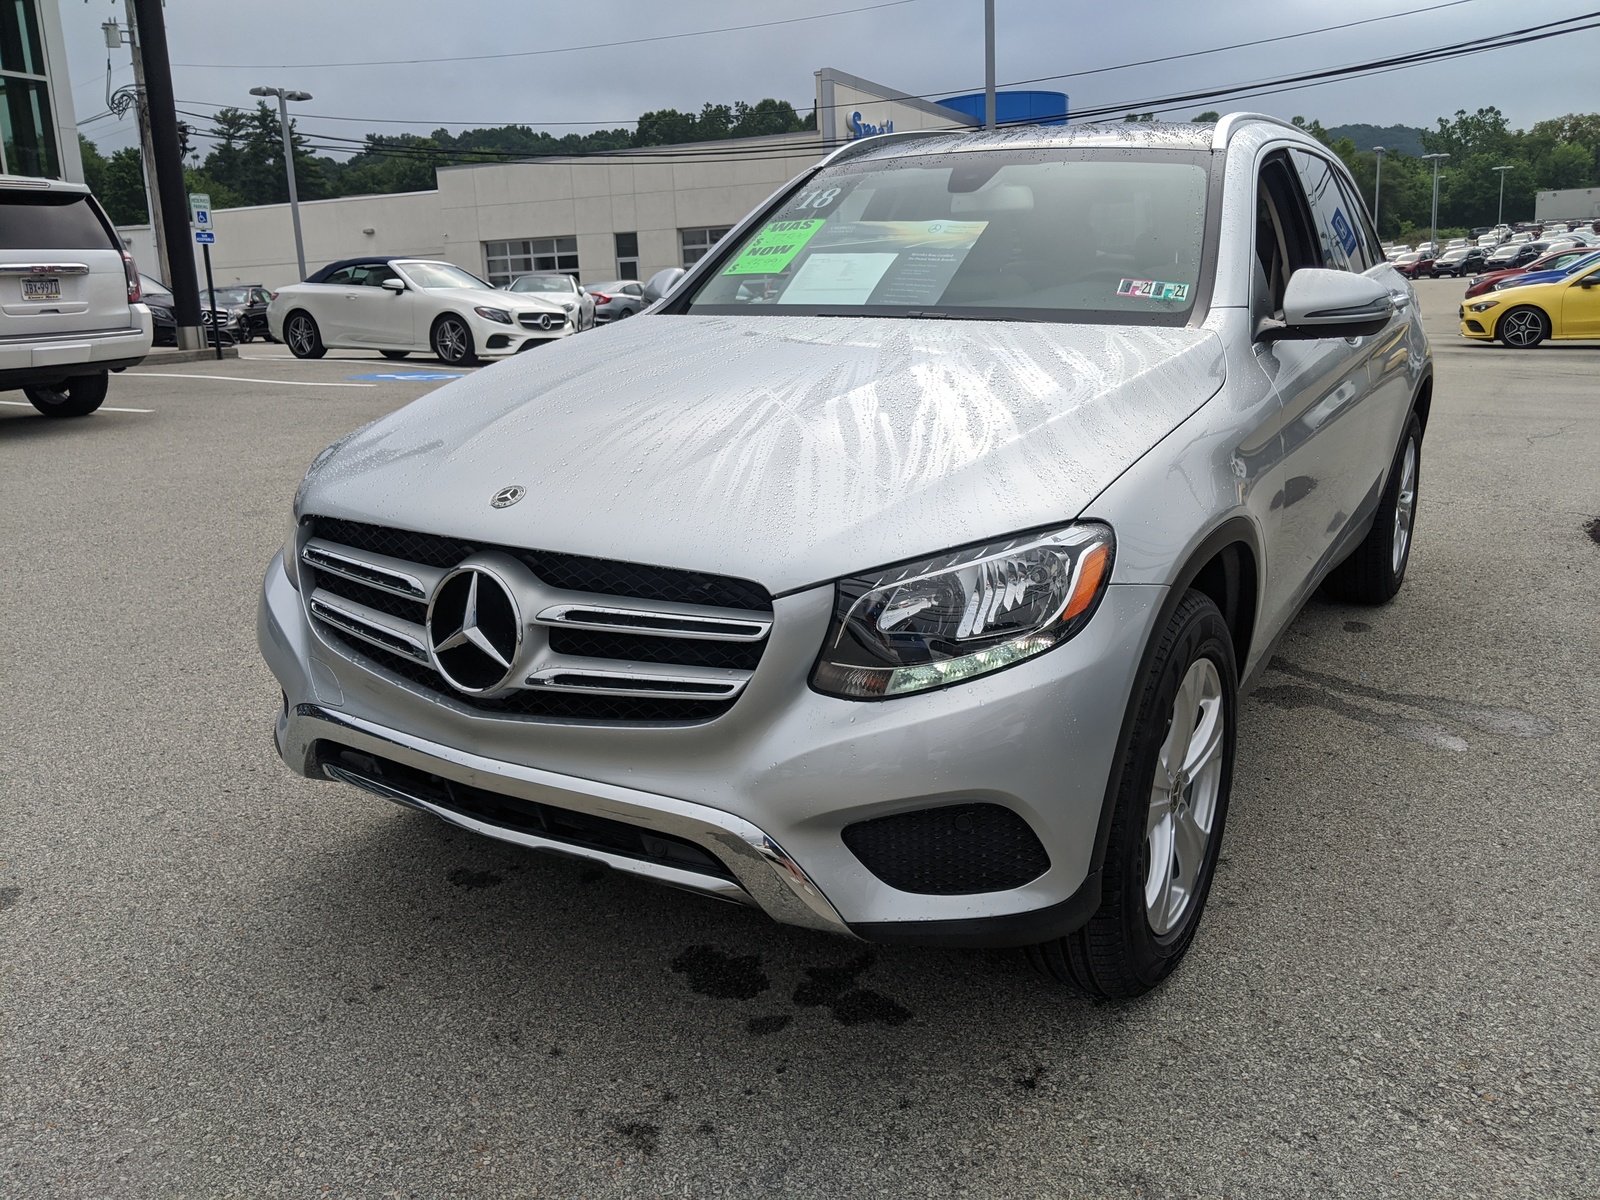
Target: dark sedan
158	298
1463	260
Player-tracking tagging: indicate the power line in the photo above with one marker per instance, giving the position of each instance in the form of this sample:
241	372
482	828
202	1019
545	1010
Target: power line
613	122
662	37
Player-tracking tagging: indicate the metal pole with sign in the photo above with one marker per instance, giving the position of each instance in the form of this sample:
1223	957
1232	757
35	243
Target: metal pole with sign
200	215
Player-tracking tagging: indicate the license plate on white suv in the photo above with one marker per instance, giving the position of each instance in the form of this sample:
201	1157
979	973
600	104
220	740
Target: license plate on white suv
41	289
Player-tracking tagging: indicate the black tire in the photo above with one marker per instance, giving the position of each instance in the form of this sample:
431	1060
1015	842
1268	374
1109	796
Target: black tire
302	336
1376	568
246	337
452	342
1523	328
394	354
627	312
1119	954
76	397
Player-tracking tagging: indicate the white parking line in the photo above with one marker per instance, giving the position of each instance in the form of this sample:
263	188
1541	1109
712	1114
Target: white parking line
102	408
241	379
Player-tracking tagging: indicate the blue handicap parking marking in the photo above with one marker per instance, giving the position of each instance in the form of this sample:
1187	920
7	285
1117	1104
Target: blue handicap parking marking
411	376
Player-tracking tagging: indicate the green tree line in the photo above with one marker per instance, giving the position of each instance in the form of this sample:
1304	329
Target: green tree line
245	163
1554	154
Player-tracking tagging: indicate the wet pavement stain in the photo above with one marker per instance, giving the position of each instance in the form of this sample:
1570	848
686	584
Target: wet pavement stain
1593	530
9	896
1030	1081
641	1135
472	880
834	987
723	976
1506	722
1357	627
764	1026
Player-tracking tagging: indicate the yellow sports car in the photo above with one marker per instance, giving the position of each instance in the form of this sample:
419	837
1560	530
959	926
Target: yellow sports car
1524	315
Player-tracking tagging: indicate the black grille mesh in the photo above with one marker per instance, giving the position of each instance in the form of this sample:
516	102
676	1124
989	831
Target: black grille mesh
594	643
953	851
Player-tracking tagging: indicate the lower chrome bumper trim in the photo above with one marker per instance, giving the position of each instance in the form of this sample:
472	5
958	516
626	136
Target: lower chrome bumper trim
766	876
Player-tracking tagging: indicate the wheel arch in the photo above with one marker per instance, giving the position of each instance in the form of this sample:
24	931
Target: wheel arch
1422	404
1226	563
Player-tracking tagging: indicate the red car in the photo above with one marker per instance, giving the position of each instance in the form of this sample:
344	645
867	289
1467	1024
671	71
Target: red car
1555	260
1415	264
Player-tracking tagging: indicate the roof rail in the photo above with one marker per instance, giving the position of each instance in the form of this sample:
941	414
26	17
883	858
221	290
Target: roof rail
1227	126
862	145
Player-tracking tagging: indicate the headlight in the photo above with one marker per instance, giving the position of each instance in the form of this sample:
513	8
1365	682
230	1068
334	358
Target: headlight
291	552
494	314
1482	306
160	310
939	621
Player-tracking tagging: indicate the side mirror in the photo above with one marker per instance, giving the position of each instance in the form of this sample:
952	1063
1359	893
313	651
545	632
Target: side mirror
395	285
1329	304
661	283
1590	280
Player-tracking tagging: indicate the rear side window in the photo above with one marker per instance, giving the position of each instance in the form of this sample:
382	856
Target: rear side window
50	221
1336	229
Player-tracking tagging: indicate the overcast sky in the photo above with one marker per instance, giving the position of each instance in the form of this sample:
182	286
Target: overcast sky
919	46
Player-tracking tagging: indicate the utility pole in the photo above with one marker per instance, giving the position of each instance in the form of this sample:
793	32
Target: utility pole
1433	223
1500	213
988	65
167	164
120	102
284	96
1377	188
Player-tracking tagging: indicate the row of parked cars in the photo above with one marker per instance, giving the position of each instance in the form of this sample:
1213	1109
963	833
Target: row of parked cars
1461	257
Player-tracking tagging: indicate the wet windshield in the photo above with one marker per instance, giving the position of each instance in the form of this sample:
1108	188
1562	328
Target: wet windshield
441	275
233	295
1088	235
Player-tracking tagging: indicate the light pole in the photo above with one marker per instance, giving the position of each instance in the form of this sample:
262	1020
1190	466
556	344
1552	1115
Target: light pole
988	65
1377	187
1433	223
1500	213
284	96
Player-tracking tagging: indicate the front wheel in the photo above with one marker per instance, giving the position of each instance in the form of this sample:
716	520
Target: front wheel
304	338
452	342
1166	828
1524	328
76	397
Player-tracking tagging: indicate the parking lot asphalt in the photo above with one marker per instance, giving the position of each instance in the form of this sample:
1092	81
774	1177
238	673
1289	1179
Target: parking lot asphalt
218	979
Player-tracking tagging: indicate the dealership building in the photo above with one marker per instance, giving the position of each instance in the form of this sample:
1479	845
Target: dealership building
624	214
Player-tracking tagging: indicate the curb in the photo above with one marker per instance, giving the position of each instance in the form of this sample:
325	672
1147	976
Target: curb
209	354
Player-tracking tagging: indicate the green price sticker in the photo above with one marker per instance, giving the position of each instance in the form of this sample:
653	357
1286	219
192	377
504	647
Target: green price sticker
774	247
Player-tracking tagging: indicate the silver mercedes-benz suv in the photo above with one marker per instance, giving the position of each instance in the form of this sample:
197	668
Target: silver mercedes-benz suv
70	310
899	572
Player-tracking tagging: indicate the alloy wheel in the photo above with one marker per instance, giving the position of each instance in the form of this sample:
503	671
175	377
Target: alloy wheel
1183	798
1405	506
299	336
1522	328
450	341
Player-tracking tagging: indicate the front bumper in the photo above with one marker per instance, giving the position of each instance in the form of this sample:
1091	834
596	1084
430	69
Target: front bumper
492	339
768	787
1477	326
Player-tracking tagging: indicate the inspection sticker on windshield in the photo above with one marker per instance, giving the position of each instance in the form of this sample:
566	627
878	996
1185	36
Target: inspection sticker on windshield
1153	289
771	250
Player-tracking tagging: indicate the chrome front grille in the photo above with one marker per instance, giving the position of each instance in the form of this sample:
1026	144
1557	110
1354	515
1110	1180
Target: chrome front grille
604	640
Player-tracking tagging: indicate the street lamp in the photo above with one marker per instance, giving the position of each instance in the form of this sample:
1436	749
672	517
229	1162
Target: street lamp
1377	187
1500	214
1433	224
284	95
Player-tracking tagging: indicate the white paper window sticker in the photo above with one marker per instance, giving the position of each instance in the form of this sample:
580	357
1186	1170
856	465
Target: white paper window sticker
836	278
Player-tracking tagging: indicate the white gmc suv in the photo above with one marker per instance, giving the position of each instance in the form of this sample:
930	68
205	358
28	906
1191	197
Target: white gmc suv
69	297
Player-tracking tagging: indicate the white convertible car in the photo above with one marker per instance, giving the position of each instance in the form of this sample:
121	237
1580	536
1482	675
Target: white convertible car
400	305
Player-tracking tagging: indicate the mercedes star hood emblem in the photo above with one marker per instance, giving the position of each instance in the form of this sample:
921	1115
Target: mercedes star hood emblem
507	496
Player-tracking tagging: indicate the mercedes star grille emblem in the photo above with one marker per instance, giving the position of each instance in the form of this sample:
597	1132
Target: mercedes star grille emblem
507	496
474	630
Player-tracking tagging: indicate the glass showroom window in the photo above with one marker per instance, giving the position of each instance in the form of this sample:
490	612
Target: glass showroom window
27	126
506	260
697	241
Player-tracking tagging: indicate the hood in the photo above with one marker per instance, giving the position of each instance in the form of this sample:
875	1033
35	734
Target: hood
787	450
496	298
